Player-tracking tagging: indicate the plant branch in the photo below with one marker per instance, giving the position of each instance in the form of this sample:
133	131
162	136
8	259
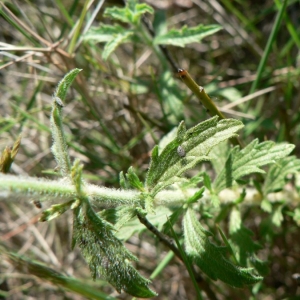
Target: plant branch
170	244
14	187
162	237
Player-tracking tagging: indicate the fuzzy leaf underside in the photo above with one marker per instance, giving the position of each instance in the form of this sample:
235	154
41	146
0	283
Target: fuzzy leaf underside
249	160
166	167
275	178
105	254
65	83
210	258
59	147
186	35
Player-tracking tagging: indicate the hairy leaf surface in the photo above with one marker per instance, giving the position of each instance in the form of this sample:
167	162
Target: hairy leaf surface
249	160
59	147
210	258
186	35
166	167
105	254
275	178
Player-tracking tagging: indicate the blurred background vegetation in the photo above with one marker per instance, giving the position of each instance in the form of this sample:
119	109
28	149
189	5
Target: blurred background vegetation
120	108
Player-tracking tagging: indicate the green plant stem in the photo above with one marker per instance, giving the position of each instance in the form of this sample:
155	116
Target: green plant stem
31	188
149	41
64	12
162	265
204	99
268	48
225	240
200	93
162	237
163	48
43	190
293	32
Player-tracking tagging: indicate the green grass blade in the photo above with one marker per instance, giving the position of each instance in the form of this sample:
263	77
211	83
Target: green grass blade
268	48
28	266
162	265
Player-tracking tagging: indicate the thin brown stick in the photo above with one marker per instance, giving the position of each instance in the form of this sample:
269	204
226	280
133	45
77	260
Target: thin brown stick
34	34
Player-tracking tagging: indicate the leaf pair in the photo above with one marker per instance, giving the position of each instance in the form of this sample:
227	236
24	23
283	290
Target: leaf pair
249	160
115	35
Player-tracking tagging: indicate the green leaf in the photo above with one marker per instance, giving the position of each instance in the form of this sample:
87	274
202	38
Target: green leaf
133	180
171	97
241	238
261	266
209	257
266	205
59	147
166	167
219	155
172	219
277	217
123	182
207	181
249	160
118	216
296	216
114	43
198	195
131	13
187	263
134	226
29	267
57	209
113	35
64	84
105	254
275	179
186	35
103	33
